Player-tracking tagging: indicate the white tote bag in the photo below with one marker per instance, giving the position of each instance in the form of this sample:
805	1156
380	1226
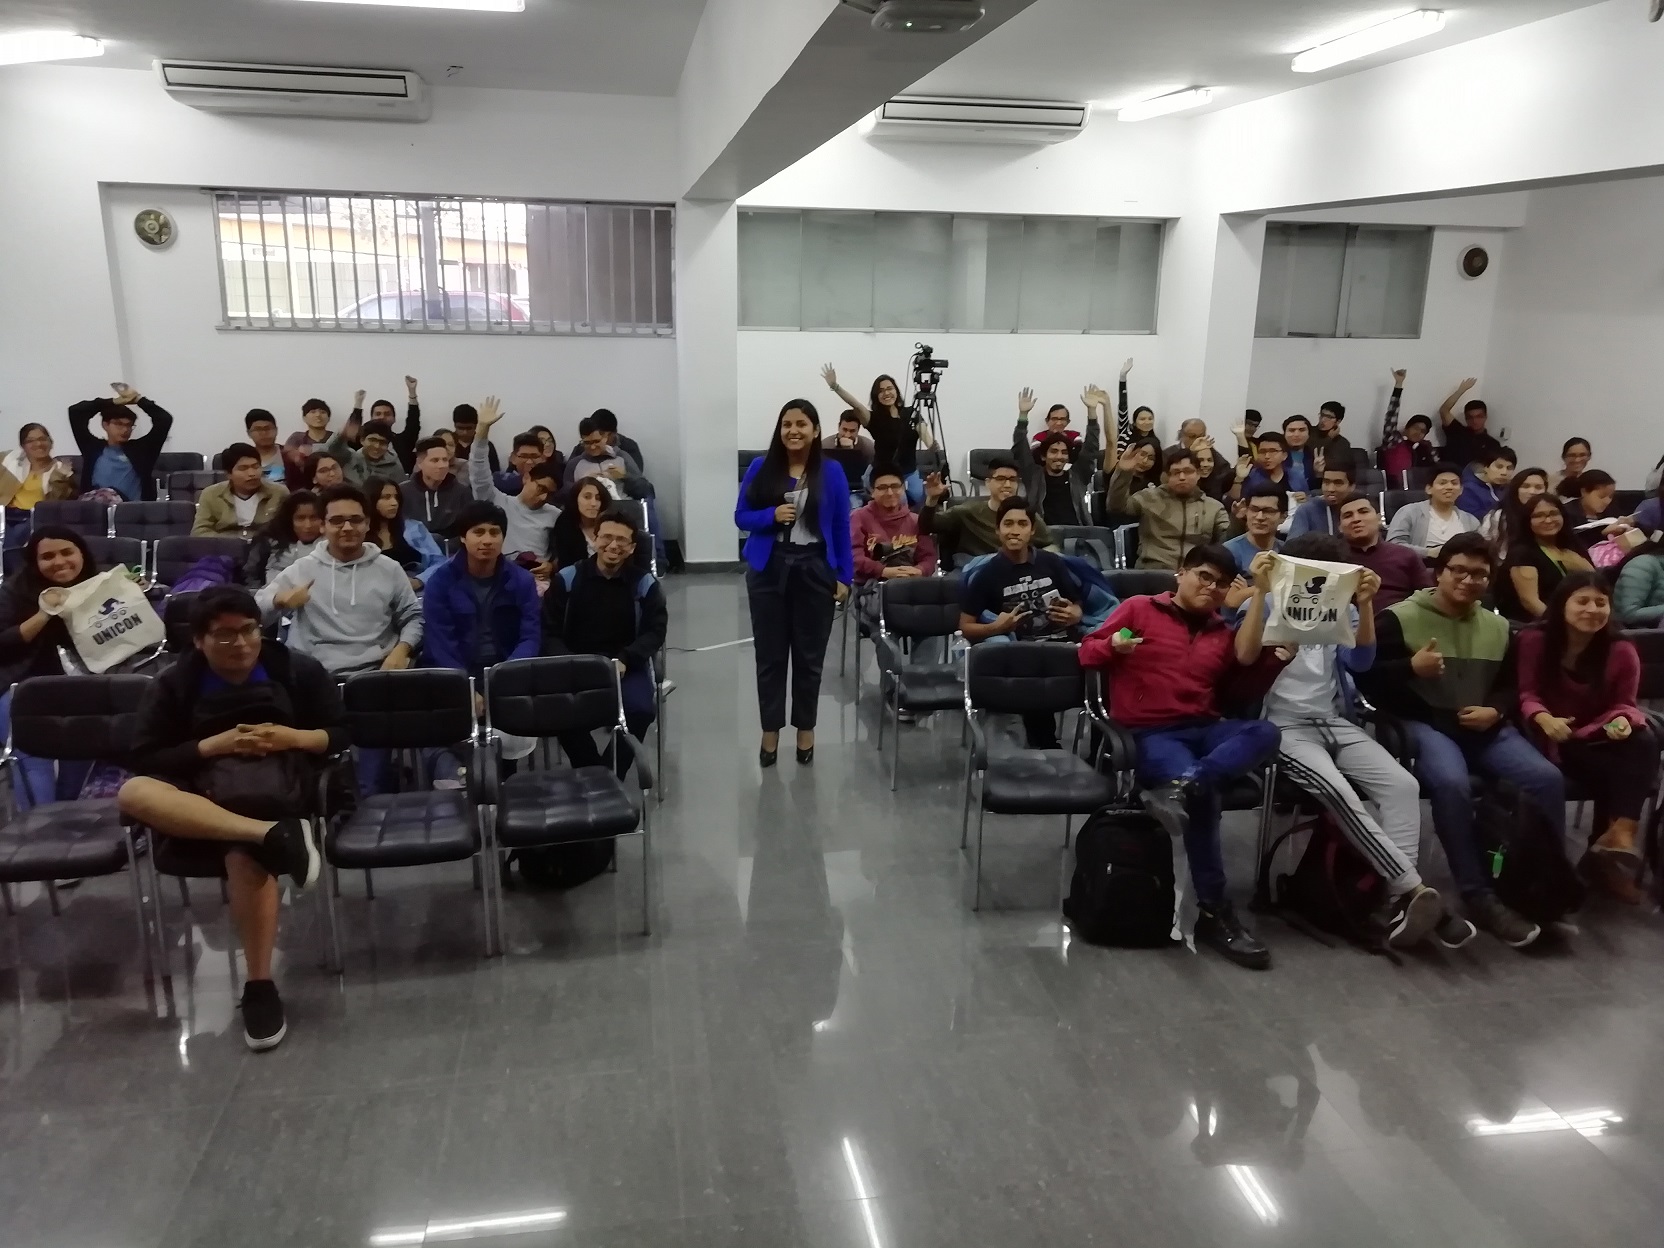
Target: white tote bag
109	620
1311	602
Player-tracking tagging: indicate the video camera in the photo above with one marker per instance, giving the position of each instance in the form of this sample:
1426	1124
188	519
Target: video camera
927	369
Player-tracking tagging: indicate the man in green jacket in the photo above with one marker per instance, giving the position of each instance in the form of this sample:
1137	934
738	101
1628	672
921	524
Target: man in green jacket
243	502
969	528
1174	517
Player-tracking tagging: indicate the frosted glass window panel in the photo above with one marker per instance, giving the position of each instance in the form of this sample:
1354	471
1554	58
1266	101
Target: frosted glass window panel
1058	258
987	273
1125	277
1300	280
911	270
1386	281
838	251
771	269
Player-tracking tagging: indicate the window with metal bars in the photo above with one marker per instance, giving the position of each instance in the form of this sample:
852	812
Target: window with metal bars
299	260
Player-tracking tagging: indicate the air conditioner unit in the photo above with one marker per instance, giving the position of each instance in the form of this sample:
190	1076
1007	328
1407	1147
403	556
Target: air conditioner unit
950	119
297	90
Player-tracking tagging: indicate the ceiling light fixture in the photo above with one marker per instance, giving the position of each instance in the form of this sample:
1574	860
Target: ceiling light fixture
1177	102
481	6
22	46
1403	29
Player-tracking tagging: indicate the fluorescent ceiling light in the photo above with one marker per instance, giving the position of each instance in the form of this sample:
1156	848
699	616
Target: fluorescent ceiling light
1177	102
483	6
1402	29
21	46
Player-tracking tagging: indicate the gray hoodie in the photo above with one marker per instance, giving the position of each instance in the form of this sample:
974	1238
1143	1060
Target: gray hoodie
357	612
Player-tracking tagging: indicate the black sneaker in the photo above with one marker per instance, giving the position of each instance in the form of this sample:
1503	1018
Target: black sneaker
1511	929
1453	931
263	1025
1169	806
1217	926
291	849
1412	916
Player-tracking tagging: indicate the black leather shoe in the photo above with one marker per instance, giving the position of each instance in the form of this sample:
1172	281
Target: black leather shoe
806	756
1218	927
767	758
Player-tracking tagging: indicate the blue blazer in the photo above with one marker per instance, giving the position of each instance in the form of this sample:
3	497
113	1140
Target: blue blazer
761	527
448	615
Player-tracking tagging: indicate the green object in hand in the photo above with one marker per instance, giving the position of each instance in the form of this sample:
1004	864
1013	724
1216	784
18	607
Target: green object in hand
1126	634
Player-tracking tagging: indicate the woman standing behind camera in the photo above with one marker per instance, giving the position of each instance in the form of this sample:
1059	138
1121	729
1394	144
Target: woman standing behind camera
794	508
897	430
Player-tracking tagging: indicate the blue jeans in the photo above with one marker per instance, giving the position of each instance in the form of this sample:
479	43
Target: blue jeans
40	780
1212	753
1443	765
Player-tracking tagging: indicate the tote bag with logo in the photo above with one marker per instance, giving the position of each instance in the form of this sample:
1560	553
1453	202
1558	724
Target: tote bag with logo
1311	602
109	620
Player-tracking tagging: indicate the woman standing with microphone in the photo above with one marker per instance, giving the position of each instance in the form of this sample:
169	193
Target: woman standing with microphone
794	508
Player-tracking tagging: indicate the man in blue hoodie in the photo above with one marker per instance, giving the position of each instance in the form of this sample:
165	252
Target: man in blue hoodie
479	609
1485	481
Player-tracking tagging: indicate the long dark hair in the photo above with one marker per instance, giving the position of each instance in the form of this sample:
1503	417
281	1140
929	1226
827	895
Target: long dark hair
1566	539
1591	664
873	406
570	517
30	581
1511	525
397	548
280	529
768	487
23	433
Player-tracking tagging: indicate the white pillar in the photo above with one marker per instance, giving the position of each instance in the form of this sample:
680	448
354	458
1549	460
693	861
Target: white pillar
707	376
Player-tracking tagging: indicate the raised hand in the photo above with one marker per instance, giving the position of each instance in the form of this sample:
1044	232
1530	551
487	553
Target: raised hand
1126	368
1369	584
1468	383
933	488
410	386
1398	375
829	375
1129	458
125	393
358	398
1259	571
1427	662
490	411
1025	401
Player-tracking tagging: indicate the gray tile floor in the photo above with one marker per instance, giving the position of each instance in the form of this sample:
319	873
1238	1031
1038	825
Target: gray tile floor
820	1045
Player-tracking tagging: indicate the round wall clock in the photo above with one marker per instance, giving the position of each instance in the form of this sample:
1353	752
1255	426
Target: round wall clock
154	227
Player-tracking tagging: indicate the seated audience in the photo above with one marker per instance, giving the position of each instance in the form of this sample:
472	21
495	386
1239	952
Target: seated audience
292	532
117	462
1174	517
54	559
1139	431
546	441
448	437
596	456
1322	514
884	535
405	541
850	446
466	422
579	523
1400	452
35	476
1262	513
404	441
1589	497
607	423
530	515
1215	473
1057	421
1428	525
239	715
244	501
374	455
1485	484
1166	685
1504	524
301	445
1401	569
1270	468
606	605
1443	665
1245	432
1575	455
433	495
261	427
970	527
1328	446
1579	682
479	609
324	470
527	453
1465	440
1024	594
1061	491
1301	464
1324	751
1538	561
1638	598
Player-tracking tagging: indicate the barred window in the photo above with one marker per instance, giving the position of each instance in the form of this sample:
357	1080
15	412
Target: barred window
297	260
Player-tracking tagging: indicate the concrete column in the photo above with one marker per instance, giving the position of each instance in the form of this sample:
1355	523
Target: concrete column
707	376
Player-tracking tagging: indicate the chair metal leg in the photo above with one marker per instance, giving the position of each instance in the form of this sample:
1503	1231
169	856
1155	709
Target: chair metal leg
965	816
1577	815
184	892
883	705
6	895
843	642
160	921
138	907
1068	828
225	892
976	892
369	886
52	897
646	874
895	738
338	963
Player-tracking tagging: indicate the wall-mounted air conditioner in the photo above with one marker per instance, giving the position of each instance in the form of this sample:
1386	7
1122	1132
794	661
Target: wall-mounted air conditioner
296	90
948	119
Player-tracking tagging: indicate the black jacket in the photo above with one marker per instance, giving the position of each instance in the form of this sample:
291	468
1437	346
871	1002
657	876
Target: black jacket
141	452
163	743
622	617
404	440
21	659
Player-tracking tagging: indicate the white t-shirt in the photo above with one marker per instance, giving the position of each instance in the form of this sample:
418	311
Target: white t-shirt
1305	689
245	509
1440	530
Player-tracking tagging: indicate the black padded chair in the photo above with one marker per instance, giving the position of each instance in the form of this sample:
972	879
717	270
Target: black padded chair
1141	583
976	465
745	458
541	698
1089	542
1393	500
1126	545
911	611
171	557
1370	481
83	516
70	719
417	710
150	522
110	551
1015	678
179	461
187	487
1415	479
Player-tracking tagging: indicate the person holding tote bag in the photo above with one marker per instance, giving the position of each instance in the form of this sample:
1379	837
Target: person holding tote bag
794	509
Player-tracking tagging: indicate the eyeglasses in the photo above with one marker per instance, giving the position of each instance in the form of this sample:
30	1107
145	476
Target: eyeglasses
347	522
231	636
1208	580
1006	478
613	540
1473	578
1265	511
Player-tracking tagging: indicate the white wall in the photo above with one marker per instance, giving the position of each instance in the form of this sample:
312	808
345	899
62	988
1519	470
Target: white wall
1579	330
96	145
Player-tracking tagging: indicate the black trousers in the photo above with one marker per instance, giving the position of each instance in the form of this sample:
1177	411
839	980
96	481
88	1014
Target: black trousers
792	603
1621	774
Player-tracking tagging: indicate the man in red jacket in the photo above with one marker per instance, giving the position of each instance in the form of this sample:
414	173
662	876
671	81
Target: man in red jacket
1165	673
884	535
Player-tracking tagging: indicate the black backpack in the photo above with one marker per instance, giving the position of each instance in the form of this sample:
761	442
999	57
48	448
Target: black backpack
1122	891
1529	872
563	866
1332	888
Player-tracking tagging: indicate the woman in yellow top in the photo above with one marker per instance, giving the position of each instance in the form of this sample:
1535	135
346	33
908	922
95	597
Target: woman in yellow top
37	476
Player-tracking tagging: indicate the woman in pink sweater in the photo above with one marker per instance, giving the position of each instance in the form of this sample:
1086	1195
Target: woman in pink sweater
1578	681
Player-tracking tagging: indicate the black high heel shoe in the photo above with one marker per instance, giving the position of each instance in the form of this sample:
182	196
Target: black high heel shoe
807	756
767	758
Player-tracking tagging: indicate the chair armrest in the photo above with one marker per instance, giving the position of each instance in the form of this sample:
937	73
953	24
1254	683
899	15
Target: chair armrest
888	653
979	741
638	758
484	774
325	768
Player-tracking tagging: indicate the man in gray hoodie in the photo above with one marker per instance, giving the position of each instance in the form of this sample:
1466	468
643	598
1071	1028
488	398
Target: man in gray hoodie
530	514
353	606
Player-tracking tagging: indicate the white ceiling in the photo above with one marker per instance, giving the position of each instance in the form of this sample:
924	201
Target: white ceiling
628	47
1122	50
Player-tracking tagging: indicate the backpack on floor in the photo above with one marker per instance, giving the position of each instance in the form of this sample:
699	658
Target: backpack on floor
1529	872
1122	891
1333	888
563	866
